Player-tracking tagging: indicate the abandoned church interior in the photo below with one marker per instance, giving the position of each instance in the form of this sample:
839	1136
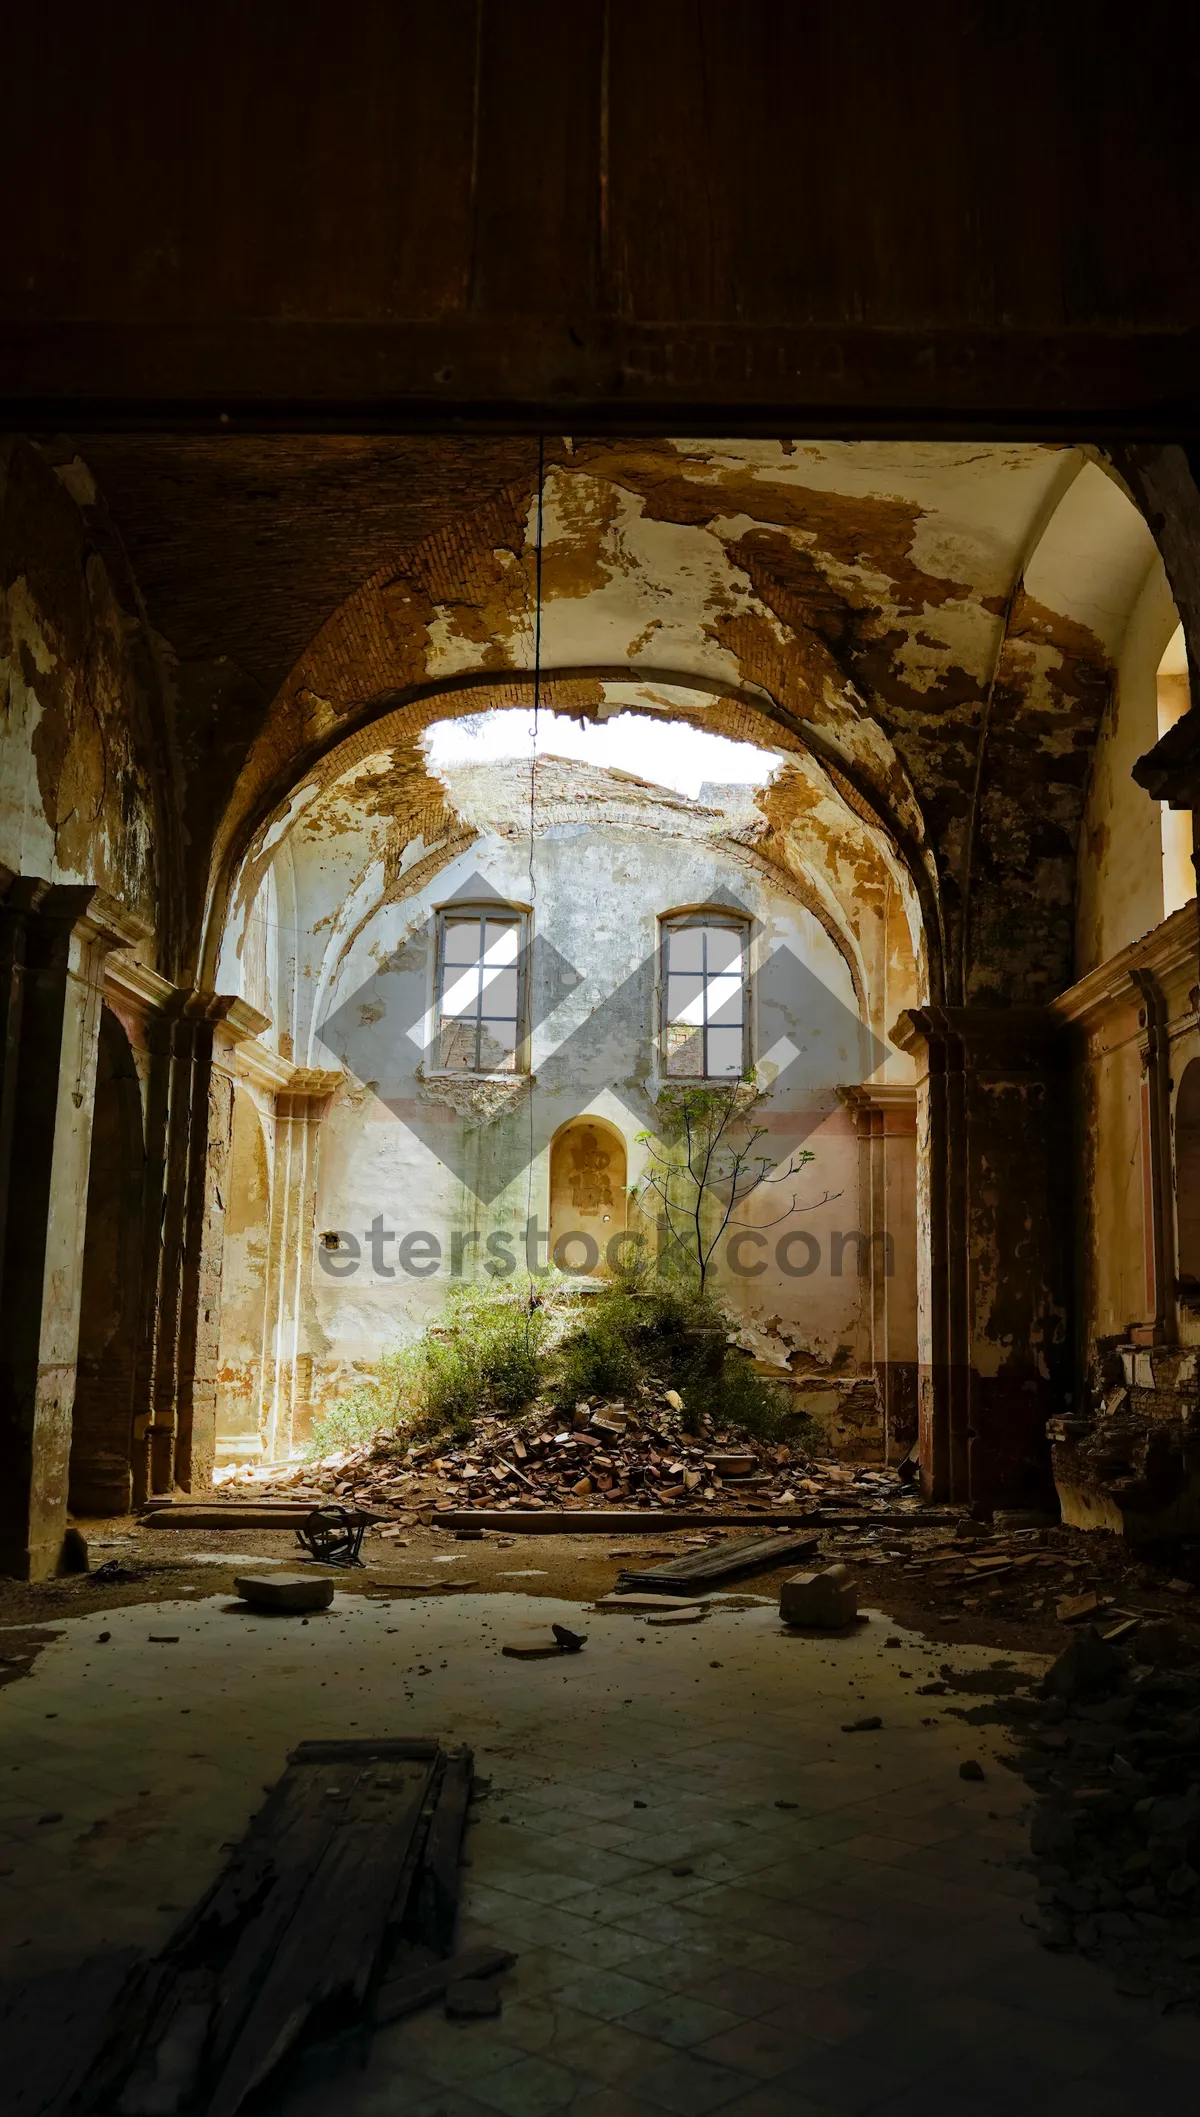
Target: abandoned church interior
600	1067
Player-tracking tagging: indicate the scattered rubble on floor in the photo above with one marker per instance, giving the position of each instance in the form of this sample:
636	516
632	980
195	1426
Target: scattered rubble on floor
1110	1744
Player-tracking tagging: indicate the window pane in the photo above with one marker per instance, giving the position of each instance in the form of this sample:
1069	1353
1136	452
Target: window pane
500	994
685	1053
725	944
460	995
460	941
724	1052
457	1044
685	948
685	999
725	1000
501	941
497	1047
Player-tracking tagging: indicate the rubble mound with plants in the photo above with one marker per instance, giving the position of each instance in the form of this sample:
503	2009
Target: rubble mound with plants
623	1395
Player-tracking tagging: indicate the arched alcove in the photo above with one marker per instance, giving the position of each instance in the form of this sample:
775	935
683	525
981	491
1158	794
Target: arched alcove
101	1477
588	1177
1187	1179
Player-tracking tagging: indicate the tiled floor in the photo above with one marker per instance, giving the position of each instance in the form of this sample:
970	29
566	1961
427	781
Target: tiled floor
720	1901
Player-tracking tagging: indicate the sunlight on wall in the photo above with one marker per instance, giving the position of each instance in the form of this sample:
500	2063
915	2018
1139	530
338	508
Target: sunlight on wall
1174	699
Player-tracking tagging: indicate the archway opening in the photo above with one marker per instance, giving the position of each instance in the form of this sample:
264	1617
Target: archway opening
101	1473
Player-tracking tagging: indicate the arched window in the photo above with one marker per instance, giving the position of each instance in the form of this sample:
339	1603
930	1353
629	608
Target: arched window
705	996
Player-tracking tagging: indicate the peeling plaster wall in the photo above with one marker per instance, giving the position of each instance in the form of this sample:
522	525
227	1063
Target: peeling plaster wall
1120	885
77	802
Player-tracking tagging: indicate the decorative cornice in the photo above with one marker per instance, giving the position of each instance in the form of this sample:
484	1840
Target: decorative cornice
884	1095
138	987
1165	950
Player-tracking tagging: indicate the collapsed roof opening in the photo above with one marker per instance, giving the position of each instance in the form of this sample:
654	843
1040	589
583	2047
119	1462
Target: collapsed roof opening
664	753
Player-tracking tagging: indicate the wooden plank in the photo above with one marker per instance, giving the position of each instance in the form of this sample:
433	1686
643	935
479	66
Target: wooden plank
609	1521
416	1988
250	1514
316	1947
722	1562
437	1890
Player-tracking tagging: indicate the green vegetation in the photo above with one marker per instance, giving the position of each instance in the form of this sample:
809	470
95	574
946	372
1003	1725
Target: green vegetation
485	1352
669	1334
707	1162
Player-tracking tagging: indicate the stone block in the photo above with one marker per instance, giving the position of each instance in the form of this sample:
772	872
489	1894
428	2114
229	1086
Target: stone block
285	1592
827	1600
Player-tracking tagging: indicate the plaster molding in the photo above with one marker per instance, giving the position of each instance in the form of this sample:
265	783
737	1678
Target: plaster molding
134	985
1165	951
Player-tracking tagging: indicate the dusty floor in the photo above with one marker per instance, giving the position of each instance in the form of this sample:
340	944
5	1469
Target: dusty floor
719	1899
1015	1612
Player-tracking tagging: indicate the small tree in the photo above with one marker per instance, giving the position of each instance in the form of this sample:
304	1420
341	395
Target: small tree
708	1163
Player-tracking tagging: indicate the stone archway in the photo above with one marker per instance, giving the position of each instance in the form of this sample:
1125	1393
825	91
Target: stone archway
101	1475
588	1200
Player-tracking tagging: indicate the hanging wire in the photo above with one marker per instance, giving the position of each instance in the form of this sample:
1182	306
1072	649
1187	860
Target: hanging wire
537	700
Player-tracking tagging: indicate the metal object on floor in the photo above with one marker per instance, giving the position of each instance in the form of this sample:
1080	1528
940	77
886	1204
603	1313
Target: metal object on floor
333	1535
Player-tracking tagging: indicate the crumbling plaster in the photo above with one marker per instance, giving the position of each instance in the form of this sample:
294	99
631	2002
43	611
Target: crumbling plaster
890	610
78	800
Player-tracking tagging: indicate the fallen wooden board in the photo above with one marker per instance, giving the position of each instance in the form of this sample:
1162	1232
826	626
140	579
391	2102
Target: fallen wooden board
357	1841
609	1521
251	1514
720	1562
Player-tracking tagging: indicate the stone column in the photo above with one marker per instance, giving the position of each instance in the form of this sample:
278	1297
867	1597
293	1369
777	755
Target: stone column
199	1115
287	1358
885	1119
994	1215
54	939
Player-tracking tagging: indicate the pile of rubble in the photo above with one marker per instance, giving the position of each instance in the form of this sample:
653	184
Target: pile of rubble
633	1452
1111	1743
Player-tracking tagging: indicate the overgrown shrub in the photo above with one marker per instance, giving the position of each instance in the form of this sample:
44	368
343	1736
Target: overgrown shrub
485	1352
643	1329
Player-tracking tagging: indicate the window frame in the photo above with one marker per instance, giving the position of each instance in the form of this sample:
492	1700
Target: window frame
671	923
508	915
